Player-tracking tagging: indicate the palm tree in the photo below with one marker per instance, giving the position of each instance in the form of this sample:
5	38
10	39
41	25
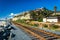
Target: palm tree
55	8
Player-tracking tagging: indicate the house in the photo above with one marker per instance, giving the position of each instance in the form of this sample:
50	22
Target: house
50	19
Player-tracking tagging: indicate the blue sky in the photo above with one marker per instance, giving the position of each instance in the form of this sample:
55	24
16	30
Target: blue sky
16	6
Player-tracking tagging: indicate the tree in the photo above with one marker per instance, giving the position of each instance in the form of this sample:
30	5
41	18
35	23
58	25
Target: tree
55	8
33	15
46	12
38	15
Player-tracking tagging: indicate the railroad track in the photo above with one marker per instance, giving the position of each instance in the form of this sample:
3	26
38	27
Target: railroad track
39	34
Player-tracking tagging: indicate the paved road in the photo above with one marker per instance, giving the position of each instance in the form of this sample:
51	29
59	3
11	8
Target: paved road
20	35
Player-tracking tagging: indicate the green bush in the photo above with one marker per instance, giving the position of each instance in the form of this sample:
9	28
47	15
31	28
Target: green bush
55	26
36	25
21	21
45	26
31	24
40	20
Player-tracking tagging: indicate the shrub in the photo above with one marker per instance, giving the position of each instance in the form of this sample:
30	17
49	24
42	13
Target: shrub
36	25
55	26
40	20
45	26
21	21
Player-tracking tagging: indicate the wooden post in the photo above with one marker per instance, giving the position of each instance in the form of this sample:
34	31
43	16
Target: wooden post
40	25
49	26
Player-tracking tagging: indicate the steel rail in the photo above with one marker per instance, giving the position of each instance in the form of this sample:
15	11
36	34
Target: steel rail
40	34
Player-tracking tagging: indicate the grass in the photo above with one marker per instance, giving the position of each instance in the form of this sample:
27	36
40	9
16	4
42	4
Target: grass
53	27
26	24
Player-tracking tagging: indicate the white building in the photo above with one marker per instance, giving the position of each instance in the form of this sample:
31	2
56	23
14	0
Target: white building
50	19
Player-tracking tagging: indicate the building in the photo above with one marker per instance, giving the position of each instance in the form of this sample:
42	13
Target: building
50	19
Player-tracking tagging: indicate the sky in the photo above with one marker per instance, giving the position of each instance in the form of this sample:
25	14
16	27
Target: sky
10	7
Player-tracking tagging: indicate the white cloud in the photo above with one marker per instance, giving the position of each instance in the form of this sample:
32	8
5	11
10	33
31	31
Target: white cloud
12	14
